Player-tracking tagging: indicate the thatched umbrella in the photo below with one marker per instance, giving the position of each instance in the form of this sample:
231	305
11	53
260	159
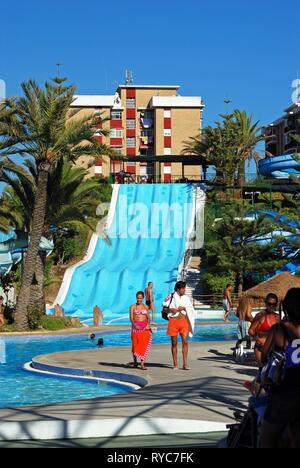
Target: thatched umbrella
278	285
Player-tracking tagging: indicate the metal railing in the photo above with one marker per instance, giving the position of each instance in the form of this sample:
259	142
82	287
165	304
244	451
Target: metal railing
129	178
213	300
186	261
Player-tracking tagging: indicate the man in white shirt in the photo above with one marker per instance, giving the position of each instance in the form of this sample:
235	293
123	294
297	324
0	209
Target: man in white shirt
181	321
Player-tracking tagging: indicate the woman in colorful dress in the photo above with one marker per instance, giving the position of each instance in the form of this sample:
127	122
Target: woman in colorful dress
141	331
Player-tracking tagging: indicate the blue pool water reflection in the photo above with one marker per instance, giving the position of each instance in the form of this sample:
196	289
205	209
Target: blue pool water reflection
20	388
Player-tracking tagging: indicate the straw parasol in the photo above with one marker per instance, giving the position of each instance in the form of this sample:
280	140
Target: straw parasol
279	285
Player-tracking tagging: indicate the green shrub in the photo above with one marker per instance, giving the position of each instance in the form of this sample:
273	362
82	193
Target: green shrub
216	283
34	319
8	328
57	323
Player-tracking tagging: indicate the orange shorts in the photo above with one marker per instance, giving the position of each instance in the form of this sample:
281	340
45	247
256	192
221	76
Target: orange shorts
177	326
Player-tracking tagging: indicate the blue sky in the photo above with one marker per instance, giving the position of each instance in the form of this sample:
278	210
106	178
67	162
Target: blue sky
241	50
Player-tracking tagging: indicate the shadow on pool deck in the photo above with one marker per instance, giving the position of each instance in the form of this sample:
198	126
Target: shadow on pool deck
210	392
201	440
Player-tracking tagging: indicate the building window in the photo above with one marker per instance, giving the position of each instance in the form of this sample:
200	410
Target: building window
167	151
167	114
116	115
116	167
130	142
130	124
118	150
146	169
116	133
167	132
130	103
148	115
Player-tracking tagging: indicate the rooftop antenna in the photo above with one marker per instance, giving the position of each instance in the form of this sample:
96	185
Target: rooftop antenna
58	68
128	77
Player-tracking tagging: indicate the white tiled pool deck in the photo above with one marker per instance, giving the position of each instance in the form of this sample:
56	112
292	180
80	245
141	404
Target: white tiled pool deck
201	400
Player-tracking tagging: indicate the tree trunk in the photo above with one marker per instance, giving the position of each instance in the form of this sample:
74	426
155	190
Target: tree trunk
21	318
37	297
242	174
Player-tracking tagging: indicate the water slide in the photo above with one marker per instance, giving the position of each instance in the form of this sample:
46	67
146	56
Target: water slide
148	230
13	245
292	252
280	167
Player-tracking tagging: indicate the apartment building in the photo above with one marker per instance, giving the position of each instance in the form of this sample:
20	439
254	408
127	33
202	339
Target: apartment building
145	121
280	133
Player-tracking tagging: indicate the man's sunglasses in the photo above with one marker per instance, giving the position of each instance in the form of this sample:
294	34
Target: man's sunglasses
271	304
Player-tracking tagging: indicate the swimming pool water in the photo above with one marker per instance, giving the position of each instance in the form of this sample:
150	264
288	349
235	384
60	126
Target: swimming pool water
21	388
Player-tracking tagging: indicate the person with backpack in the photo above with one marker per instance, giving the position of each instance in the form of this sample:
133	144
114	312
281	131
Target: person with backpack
180	313
283	408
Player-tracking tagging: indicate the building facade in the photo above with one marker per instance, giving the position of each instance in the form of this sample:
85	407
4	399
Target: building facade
144	121
279	134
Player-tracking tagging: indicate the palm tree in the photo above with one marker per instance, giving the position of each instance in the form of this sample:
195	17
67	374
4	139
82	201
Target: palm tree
9	216
227	146
248	135
71	197
196	146
6	221
41	125
214	145
72	200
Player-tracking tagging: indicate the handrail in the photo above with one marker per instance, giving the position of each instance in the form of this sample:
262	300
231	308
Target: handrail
129	178
213	299
183	268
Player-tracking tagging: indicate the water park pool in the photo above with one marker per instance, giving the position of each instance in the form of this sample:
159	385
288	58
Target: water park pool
21	388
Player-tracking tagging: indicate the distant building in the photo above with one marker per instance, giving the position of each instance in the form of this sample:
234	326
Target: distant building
280	133
144	121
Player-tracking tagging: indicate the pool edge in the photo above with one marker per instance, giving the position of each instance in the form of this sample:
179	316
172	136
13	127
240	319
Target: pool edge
132	381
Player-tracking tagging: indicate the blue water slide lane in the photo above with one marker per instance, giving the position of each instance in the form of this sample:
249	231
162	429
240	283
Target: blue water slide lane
294	237
149	250
280	167
13	245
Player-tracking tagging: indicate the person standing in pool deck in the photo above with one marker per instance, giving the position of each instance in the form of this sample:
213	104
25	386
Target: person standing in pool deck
181	322
141	331
150	299
227	302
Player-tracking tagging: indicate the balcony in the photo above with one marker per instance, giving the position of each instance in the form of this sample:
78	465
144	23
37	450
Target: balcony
147	120
146	137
